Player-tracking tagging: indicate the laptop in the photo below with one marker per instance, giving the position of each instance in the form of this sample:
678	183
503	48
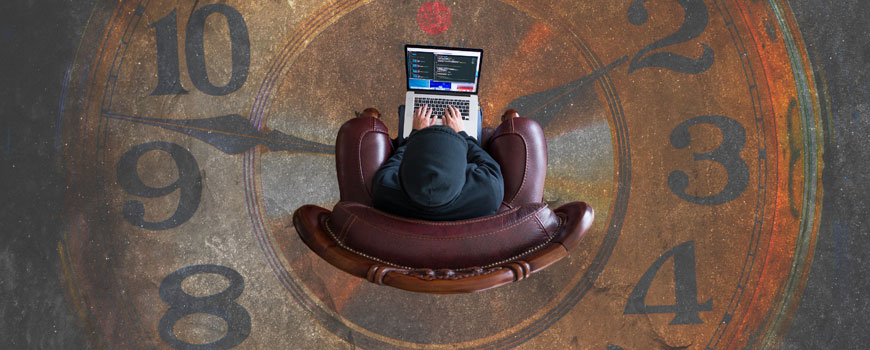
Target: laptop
441	76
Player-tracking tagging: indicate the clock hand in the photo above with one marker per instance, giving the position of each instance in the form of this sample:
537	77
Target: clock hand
543	106
231	134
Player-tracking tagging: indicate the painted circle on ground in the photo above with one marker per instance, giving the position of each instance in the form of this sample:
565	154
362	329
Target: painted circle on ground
282	182
174	150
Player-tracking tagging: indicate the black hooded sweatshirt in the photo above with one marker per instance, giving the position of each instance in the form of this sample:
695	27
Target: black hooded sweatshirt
438	174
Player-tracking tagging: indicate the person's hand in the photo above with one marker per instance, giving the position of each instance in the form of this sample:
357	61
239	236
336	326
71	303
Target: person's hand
453	118
422	118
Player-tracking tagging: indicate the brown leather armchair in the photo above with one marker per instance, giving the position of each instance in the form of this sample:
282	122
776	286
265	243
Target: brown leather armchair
524	236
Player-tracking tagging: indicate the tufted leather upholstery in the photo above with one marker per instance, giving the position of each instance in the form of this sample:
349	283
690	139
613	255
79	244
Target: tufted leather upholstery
362	145
518	145
443	257
435	244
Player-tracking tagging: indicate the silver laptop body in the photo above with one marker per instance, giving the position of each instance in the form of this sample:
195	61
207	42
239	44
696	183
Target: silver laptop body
439	76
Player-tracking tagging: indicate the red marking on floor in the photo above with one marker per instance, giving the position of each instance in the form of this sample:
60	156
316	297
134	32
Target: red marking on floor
434	17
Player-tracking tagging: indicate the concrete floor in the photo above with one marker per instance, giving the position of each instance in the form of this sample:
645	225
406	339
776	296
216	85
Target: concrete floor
40	41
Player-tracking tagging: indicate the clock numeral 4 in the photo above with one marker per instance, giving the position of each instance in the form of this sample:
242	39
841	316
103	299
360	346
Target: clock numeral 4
694	23
168	72
686	307
189	182
222	305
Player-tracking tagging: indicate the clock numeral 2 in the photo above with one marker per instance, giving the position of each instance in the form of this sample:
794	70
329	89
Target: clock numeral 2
694	23
168	76
189	182
686	307
727	154
222	305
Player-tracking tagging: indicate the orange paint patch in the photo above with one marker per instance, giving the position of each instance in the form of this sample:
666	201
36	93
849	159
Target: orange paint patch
511	85
537	36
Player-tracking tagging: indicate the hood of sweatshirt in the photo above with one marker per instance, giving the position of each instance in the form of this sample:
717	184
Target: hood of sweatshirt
432	172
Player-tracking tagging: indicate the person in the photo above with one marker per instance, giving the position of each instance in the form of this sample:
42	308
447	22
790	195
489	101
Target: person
438	173
363	146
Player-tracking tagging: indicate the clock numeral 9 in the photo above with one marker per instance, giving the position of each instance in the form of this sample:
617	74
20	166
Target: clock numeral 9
189	182
168	76
686	307
727	154
222	305
694	23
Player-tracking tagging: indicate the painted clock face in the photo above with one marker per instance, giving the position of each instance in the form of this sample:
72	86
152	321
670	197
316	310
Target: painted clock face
193	130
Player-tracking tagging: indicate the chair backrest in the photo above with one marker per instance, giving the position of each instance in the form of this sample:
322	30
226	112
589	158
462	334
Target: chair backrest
319	229
412	243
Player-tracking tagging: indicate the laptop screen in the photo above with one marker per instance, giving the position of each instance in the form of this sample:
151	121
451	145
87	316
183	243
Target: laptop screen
442	69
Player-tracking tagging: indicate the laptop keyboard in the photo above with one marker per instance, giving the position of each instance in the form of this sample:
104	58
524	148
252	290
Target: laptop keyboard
439	104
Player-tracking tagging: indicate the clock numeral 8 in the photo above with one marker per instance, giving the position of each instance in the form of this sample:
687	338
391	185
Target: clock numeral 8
727	154
696	17
222	305
168	76
189	182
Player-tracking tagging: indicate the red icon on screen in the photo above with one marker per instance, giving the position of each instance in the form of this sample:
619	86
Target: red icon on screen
434	17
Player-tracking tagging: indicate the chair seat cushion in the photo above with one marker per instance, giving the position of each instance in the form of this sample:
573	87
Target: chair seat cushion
412	243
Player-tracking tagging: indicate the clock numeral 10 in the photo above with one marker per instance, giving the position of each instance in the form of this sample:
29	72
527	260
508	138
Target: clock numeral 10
686	307
222	305
168	72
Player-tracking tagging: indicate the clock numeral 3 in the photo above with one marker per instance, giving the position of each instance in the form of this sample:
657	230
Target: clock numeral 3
168	72
694	23
222	305
727	154
686	307
189	182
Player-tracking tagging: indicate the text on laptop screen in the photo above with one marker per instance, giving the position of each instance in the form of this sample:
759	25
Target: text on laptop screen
442	70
